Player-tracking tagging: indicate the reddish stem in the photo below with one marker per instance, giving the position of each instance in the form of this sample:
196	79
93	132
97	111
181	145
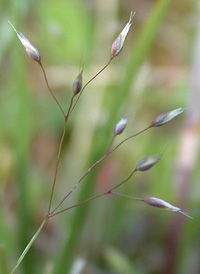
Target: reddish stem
51	92
94	197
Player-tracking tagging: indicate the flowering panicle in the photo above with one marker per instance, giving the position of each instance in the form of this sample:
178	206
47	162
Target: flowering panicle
142	165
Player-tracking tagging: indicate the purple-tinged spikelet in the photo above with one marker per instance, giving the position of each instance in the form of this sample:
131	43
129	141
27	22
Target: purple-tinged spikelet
120	126
77	85
31	50
166	117
152	201
119	41
147	162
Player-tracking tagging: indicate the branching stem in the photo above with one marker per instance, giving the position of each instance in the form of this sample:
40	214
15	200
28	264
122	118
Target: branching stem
96	196
84	175
52	214
59	152
109	151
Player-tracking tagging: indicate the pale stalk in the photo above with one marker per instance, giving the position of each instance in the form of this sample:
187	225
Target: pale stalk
126	196
29	245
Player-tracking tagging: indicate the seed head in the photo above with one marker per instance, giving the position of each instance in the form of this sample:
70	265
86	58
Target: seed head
77	85
152	201
31	50
147	162
119	127
166	117
119	41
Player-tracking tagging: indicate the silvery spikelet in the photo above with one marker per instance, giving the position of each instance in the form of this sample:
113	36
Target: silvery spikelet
152	201
31	50
120	126
147	162
166	117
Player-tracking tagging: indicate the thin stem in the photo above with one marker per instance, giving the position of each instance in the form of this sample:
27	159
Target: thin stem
134	135
29	245
81	203
59	152
94	197
124	181
126	196
70	106
51	92
57	164
99	72
111	143
84	175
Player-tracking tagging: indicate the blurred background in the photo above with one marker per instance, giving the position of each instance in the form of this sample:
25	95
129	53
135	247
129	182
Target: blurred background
157	71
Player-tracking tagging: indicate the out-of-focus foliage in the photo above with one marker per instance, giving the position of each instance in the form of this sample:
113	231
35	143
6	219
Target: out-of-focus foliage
152	75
